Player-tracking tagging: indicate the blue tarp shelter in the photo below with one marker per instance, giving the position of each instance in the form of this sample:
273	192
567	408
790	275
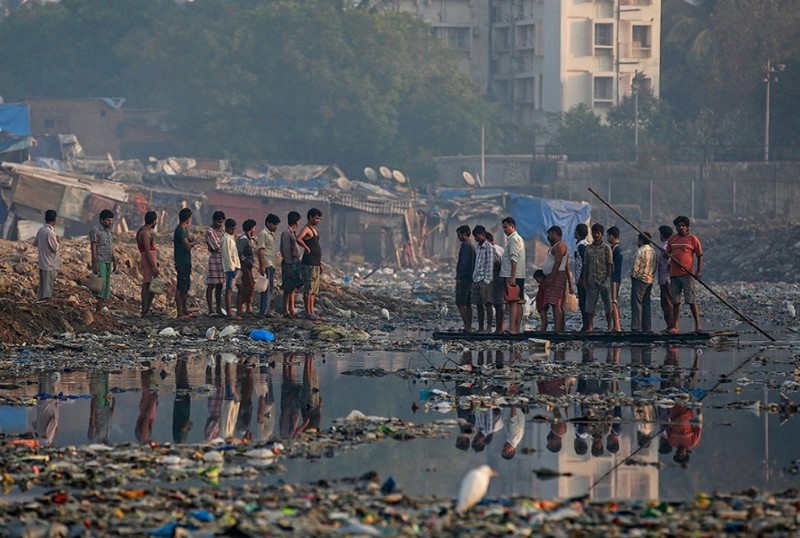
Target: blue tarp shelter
15	118
535	215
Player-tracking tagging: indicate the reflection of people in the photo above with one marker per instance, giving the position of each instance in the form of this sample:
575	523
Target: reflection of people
101	408
182	408
557	387
230	399
148	405
265	418
301	401
214	373
486	424
246	376
683	425
47	410
515	431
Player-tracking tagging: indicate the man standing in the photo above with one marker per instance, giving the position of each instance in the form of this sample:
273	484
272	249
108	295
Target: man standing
642	276
290	263
267	260
101	241
596	277
244	247
616	275
664	233
308	239
182	252
684	247
556	276
581	233
513	271
148	258
465	266
230	263
482	278
49	255
215	277
497	288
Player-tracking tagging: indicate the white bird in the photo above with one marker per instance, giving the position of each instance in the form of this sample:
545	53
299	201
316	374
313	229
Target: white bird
385	313
529	307
168	331
229	331
211	333
790	309
443	311
474	486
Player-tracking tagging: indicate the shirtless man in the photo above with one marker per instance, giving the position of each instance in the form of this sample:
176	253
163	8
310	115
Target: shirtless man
149	259
311	262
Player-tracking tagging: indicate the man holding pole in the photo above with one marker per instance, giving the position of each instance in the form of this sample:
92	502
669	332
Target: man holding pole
684	247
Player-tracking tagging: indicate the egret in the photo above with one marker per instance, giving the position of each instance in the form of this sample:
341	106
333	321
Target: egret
790	309
385	313
474	486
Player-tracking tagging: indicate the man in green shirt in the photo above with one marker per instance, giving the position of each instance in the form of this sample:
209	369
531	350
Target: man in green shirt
182	250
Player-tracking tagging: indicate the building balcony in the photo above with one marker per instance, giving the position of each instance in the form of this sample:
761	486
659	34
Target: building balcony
635	50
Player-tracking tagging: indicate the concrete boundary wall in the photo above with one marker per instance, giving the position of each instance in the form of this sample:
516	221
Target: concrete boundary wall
653	190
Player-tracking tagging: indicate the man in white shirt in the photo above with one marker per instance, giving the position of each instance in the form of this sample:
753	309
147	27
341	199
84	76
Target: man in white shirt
230	263
49	255
513	271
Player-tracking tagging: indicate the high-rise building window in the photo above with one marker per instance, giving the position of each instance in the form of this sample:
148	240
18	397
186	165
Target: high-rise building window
604	34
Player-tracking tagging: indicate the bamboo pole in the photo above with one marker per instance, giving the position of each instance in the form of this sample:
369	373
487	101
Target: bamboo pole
687	269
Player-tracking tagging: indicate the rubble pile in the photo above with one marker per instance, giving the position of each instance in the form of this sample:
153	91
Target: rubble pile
747	250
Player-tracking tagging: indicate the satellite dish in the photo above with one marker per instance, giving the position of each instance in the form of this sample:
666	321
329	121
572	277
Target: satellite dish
370	173
343	183
468	178
399	176
385	172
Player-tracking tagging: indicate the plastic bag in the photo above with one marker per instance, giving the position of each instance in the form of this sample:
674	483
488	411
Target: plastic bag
262	283
157	286
570	303
95	283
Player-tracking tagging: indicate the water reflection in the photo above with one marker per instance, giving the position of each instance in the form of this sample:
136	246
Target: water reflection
573	425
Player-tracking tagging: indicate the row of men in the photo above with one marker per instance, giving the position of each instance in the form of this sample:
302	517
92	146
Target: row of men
488	276
671	263
231	258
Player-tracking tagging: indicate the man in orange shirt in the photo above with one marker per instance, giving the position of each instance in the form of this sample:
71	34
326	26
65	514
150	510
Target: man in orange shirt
684	248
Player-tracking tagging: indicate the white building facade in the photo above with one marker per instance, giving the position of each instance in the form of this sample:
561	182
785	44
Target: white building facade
546	56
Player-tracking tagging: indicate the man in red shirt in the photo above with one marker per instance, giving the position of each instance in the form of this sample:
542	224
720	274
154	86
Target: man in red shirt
684	248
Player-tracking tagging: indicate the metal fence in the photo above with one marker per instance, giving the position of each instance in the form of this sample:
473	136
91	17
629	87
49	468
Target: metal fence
664	153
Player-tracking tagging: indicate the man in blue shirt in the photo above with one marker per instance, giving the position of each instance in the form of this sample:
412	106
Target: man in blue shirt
465	267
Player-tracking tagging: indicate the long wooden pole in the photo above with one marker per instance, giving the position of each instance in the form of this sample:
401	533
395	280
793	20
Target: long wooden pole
687	269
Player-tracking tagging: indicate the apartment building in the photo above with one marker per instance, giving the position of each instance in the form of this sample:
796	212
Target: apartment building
544	56
461	25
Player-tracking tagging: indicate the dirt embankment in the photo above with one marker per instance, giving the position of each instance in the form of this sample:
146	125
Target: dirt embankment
23	319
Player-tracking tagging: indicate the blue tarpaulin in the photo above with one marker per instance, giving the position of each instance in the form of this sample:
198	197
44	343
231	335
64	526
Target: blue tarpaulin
14	118
535	215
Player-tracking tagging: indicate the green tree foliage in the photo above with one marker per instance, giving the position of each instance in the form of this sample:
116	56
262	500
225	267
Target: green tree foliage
283	81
